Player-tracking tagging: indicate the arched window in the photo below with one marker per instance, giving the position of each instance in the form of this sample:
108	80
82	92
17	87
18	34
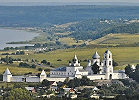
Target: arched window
105	63
109	62
109	56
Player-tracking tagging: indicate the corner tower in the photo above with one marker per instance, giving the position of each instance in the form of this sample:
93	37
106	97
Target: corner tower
42	76
108	64
7	76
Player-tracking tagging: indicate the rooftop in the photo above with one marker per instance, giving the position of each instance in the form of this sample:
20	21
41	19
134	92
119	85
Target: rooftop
96	56
60	69
43	72
7	72
107	51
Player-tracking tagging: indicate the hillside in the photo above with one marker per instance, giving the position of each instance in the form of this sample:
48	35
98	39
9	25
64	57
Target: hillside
72	24
81	32
97	28
45	16
119	39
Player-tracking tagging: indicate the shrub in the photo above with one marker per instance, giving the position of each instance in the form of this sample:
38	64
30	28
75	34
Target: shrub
59	60
39	69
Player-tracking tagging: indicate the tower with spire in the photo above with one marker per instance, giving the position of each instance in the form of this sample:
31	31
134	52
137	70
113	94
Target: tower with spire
75	62
7	76
42	76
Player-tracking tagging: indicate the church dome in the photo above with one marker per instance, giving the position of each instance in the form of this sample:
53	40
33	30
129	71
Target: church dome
96	56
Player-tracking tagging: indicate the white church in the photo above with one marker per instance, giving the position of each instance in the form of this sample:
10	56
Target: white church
74	70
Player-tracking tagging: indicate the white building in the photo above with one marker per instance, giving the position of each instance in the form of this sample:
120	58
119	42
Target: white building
106	68
8	77
74	70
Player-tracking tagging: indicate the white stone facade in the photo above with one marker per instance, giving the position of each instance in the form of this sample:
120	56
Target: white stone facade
75	70
106	68
7	77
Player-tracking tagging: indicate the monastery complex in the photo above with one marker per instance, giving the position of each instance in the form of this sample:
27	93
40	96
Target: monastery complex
74	70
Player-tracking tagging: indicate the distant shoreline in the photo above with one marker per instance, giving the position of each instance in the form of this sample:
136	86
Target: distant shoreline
66	3
12	40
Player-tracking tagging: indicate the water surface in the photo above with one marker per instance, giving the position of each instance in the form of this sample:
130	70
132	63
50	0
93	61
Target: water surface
10	35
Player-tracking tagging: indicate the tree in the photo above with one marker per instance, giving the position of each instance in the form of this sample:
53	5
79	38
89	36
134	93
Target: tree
48	63
95	68
6	48
137	67
71	84
115	63
22	52
46	83
39	69
10	61
19	94
24	65
58	43
47	69
33	66
42	91
128	70
17	53
86	81
7	59
37	45
32	60
45	45
44	62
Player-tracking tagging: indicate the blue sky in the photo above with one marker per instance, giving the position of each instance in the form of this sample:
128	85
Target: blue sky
132	1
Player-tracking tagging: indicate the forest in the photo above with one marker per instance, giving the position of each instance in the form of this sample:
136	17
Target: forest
44	16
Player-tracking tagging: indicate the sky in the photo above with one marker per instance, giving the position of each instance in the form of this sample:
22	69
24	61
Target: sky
132	1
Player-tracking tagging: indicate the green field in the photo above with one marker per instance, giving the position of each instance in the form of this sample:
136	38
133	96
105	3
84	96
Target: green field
122	55
70	41
16	70
117	39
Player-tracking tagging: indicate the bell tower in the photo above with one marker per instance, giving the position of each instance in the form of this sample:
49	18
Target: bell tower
108	64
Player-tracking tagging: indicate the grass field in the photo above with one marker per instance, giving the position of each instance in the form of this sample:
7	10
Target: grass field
117	39
16	70
122	55
70	41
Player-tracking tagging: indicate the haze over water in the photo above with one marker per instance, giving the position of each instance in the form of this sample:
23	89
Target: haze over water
10	35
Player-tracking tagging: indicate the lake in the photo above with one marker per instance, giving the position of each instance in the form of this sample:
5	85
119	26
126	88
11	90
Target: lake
10	35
